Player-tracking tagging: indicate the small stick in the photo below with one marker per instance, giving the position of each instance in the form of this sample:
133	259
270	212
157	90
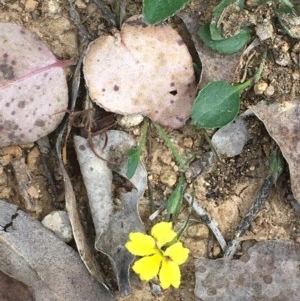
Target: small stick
276	168
248	219
107	13
207	220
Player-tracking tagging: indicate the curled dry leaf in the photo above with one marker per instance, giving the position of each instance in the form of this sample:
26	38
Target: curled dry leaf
215	67
142	69
267	271
33	88
282	121
84	247
35	256
113	222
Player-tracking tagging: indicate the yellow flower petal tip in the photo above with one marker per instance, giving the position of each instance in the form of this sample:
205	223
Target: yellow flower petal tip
140	244
163	233
177	253
169	274
155	260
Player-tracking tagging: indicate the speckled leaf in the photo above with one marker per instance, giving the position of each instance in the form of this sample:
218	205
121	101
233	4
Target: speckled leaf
267	271
33	88
142	69
112	222
282	121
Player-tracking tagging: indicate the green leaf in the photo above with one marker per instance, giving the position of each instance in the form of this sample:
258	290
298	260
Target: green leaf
174	201
215	32
134	153
225	46
155	11
276	164
217	104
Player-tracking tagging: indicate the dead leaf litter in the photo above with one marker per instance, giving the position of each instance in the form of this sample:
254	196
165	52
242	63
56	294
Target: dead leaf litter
224	189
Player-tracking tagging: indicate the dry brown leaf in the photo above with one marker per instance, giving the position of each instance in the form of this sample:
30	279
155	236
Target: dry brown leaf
113	222
142	69
282	121
215	66
84	248
35	256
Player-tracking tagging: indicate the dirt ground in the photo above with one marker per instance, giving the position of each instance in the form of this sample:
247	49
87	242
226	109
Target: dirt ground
225	189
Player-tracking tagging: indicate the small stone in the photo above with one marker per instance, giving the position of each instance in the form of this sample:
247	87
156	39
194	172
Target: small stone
80	4
188	142
5	160
53	7
229	141
296	47
129	121
168	177
284	59
166	157
285	47
216	251
59	223
33	158
31	5
199	231
136	132
270	90
155	289
265	30
260	87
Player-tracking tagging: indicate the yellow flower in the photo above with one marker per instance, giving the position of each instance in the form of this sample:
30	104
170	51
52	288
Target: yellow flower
158	257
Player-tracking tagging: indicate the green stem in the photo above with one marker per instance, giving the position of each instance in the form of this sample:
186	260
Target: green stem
244	85
183	165
287	3
211	145
257	76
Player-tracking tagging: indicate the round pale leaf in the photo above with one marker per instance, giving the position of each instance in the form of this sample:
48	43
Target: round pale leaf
33	88
142	69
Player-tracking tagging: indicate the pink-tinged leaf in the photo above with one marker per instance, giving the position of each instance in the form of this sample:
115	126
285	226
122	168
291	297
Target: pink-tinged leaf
142	69
33	88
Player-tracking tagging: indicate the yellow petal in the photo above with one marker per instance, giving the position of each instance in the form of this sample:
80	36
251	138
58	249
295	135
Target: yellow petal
163	233
169	274
141	244
177	253
148	267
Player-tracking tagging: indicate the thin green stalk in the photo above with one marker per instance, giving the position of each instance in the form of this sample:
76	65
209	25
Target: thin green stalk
183	165
287	3
257	76
211	145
